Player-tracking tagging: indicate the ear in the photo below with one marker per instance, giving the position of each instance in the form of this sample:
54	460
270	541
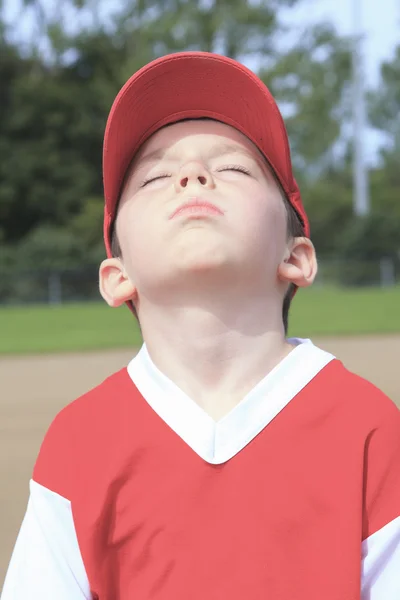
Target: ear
299	265
115	285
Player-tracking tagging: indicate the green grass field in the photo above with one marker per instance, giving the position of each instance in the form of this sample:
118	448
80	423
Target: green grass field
94	326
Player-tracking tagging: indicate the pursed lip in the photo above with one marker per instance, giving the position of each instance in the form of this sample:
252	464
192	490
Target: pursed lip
196	207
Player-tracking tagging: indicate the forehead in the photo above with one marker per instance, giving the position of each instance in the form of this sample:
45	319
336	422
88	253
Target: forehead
200	132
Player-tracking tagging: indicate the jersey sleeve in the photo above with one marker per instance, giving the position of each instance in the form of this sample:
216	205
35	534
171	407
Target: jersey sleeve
46	562
381	511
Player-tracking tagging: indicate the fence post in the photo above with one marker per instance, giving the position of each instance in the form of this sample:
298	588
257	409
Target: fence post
387	272
54	288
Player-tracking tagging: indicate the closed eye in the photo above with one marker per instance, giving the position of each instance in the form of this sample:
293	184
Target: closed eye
152	179
237	168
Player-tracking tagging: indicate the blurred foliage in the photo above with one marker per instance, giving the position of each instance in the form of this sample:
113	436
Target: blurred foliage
312	82
50	247
385	102
58	86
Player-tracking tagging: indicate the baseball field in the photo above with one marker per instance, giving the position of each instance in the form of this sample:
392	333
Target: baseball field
51	355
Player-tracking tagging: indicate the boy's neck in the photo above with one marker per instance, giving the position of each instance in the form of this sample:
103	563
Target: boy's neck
215	357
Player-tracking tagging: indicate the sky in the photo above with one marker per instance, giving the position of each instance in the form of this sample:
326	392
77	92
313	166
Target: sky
377	20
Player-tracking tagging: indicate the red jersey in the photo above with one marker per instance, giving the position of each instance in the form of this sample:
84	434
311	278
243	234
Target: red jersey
138	494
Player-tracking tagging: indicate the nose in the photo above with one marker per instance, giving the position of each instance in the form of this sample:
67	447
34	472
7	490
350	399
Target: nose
194	172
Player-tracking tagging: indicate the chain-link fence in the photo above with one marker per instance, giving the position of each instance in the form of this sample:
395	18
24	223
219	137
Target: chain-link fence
81	285
52	287
346	273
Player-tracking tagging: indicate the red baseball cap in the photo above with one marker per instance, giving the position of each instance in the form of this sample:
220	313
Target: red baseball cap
193	85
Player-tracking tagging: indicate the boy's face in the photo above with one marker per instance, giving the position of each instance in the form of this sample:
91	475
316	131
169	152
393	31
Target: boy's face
200	199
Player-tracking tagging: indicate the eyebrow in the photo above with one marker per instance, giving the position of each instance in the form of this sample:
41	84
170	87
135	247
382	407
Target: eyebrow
218	150
151	156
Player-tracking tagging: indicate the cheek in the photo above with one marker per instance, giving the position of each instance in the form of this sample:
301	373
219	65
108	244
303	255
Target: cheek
138	232
264	224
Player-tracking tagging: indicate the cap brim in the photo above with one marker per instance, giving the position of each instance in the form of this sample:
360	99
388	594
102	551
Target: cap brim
193	85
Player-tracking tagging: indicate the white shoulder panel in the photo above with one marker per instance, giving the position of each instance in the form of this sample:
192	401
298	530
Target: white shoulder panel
380	573
46	563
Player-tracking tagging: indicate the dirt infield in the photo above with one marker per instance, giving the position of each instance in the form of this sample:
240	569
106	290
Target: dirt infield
34	389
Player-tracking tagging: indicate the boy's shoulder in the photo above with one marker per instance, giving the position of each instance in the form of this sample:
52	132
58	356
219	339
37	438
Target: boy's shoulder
116	401
83	429
101	427
98	407
355	398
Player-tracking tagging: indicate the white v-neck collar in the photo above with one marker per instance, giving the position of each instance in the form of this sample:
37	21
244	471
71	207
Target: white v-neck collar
217	442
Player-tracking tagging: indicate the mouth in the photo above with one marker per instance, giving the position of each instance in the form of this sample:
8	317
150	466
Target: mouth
196	208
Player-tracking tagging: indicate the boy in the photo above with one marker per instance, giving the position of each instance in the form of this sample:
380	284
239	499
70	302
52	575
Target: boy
226	461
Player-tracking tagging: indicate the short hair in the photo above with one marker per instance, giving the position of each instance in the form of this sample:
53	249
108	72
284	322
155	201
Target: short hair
295	229
115	246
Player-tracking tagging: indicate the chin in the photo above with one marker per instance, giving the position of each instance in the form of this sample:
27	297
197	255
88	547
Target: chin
199	262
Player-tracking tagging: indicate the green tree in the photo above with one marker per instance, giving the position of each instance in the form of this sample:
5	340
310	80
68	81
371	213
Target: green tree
312	83
385	116
385	100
